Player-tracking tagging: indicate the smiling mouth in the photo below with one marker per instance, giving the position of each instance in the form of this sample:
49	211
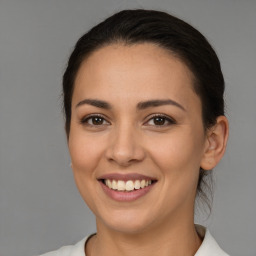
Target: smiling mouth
127	186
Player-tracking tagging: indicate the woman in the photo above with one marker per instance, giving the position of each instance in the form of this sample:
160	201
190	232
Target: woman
143	100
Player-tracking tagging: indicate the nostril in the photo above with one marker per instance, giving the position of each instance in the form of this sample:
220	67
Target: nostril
125	149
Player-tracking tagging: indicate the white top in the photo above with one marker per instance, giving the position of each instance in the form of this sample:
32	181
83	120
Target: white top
209	246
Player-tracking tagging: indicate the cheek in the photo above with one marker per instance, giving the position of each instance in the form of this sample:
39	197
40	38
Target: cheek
85	151
177	150
178	158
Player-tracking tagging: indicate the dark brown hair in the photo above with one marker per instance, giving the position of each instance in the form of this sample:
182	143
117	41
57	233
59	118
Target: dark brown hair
168	32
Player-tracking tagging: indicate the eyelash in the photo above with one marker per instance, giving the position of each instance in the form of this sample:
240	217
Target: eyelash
171	121
84	121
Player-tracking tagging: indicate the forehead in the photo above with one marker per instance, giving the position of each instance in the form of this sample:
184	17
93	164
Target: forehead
143	70
148	57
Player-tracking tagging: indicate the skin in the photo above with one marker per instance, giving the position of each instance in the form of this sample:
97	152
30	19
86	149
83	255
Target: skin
128	140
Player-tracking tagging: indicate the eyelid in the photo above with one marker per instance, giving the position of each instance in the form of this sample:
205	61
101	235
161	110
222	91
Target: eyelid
170	120
84	120
166	117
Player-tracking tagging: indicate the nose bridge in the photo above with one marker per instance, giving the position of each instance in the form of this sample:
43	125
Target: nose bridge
125	145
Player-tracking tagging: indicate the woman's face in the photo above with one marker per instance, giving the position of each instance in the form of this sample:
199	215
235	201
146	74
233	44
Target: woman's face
136	120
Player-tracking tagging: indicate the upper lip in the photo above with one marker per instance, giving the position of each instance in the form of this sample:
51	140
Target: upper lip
125	177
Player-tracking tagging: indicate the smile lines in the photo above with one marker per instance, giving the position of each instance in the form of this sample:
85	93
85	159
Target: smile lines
129	185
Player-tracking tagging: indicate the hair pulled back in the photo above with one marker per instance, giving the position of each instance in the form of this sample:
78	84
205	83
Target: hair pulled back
168	32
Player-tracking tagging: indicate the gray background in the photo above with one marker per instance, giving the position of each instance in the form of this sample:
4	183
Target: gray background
40	208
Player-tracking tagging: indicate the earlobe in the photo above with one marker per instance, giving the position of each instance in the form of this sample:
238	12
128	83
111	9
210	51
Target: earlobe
216	142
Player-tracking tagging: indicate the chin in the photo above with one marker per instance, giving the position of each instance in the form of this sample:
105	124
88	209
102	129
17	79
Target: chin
127	222
128	227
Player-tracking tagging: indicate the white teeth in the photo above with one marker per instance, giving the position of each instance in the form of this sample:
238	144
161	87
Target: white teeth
109	184
137	184
120	185
129	185
114	185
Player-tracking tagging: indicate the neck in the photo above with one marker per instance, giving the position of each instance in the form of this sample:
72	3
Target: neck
173	238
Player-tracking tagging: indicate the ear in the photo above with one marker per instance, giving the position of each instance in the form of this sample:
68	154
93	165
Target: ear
215	144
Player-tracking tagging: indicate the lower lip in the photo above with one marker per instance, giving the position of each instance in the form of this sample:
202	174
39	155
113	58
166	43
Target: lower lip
122	196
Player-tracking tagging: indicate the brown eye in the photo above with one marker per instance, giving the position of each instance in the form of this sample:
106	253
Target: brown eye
94	121
97	120
160	120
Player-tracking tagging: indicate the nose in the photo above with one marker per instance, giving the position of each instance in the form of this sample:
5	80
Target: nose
125	146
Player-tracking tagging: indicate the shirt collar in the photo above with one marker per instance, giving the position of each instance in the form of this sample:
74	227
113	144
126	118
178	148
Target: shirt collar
209	246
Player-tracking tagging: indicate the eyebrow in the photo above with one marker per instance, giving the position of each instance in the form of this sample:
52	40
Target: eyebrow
140	106
95	103
157	103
